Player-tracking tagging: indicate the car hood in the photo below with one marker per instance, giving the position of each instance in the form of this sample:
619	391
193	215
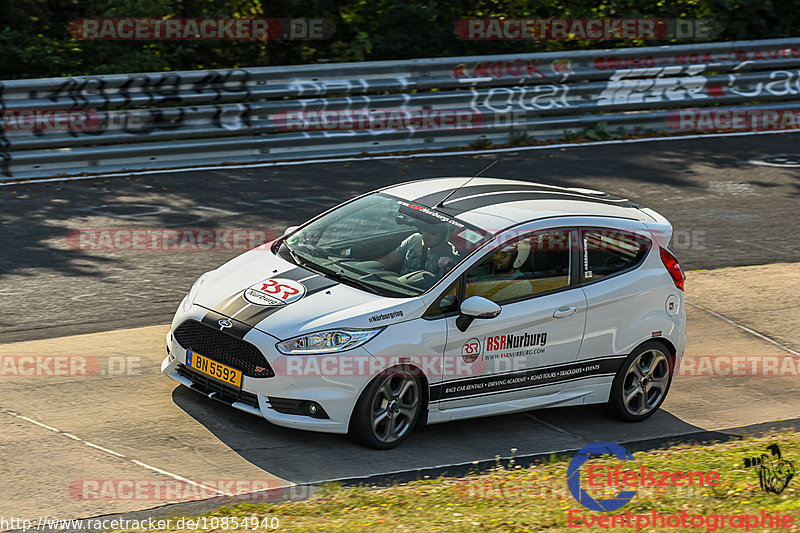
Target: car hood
281	299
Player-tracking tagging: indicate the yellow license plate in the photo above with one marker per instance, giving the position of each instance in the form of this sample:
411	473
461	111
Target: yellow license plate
212	368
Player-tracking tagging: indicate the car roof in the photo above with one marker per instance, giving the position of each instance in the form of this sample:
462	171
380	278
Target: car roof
494	203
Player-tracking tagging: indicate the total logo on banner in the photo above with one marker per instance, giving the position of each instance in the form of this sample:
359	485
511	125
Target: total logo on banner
274	292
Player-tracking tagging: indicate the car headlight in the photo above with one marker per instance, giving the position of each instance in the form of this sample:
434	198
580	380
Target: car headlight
332	340
189	300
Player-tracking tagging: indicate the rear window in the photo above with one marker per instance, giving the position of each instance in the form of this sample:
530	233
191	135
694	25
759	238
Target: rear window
607	252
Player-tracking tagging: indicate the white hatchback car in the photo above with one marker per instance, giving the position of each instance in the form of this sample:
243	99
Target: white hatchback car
438	300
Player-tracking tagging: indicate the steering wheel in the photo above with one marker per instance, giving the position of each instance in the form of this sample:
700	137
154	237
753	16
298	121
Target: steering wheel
413	278
309	248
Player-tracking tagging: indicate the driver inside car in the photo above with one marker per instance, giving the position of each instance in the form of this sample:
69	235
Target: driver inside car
499	277
428	250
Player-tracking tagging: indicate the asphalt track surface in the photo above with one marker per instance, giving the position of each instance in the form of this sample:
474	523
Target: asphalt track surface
61	432
726	211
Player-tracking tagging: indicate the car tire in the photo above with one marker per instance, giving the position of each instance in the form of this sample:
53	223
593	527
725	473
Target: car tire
388	409
642	382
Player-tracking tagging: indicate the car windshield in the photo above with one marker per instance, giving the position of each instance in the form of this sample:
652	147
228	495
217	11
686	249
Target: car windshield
383	244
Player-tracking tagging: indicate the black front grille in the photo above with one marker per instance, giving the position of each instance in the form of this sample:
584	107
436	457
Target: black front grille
224	393
223	348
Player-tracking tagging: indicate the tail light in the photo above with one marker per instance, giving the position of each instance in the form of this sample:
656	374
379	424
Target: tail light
673	267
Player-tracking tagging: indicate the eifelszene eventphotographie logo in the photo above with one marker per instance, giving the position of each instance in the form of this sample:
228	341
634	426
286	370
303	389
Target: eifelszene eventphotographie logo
608	478
574	476
774	471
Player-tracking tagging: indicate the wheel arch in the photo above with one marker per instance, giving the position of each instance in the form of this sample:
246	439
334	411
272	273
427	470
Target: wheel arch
424	386
663	340
672	352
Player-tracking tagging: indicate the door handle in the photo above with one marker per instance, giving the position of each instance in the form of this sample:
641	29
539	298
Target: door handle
564	312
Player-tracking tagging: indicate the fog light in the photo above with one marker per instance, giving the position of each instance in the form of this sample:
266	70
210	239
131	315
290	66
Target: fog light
312	408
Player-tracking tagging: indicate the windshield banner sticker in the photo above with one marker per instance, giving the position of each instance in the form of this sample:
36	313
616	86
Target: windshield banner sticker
433	215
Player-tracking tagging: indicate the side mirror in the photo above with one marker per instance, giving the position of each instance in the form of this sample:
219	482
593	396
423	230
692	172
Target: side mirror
290	229
476	307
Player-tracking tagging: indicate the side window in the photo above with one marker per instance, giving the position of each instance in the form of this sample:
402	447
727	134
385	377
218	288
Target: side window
533	264
447	303
608	251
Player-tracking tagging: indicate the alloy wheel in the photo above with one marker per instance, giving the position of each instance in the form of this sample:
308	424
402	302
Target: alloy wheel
645	382
394	407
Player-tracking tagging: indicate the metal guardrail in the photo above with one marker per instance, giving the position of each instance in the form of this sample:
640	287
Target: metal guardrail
175	119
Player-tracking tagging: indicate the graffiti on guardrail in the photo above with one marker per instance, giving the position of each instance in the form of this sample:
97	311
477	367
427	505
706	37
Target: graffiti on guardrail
529	97
146	89
157	120
481	71
778	83
654	85
737	56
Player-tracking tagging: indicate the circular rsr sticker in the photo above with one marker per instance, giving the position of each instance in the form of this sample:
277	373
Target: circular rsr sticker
274	292
471	350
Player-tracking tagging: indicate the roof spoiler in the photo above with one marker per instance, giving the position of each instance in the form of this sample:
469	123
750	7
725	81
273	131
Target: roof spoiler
660	228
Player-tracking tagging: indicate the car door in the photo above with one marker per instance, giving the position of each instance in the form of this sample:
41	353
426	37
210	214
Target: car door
619	293
538	333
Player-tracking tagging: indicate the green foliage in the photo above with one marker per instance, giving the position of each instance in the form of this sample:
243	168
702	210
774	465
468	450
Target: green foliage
598	132
537	498
35	40
520	138
571	135
481	143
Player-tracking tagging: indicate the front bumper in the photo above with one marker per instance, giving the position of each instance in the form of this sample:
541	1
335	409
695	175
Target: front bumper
336	394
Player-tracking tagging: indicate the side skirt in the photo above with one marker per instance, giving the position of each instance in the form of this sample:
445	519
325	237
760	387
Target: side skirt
585	394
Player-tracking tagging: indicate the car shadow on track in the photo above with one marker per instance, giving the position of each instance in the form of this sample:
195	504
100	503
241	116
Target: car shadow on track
305	457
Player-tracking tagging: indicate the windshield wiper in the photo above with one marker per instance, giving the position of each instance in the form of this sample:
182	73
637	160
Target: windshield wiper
352	281
294	255
338	275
